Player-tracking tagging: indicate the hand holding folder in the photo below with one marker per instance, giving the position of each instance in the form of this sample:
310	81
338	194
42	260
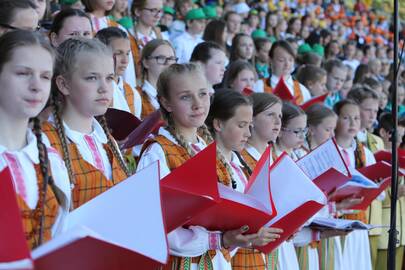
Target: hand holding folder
282	91
121	228
296	199
325	167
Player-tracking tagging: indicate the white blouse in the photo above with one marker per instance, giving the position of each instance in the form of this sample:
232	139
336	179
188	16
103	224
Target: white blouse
151	92
137	97
21	162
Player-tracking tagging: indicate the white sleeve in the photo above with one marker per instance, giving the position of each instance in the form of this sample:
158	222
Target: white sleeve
137	103
183	242
303	237
370	159
119	101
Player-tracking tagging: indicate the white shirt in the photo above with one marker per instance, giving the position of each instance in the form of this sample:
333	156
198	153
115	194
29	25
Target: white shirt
137	98
184	46
354	63
151	92
119	101
191	242
370	160
259	86
26	158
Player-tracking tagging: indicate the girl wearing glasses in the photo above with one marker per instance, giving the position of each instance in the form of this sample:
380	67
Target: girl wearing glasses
82	90
356	250
38	173
99	11
156	56
147	14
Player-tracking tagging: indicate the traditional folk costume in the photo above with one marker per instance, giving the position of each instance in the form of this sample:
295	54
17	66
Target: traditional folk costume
356	247
132	97
28	180
299	91
150	102
193	248
95	169
375	211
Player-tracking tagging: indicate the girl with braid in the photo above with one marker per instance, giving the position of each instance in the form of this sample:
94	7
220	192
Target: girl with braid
183	94
356	247
230	121
82	88
39	175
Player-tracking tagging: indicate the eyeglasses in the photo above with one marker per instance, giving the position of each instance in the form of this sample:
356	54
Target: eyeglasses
163	60
297	132
8	26
154	11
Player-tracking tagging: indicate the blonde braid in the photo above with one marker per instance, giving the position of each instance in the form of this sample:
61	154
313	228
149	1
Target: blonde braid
205	134
228	168
113	145
179	138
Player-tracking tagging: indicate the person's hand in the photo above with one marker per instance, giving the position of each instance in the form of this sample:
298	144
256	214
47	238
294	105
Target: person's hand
348	203
267	235
237	238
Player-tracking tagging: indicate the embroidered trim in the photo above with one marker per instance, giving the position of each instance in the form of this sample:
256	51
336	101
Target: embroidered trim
98	161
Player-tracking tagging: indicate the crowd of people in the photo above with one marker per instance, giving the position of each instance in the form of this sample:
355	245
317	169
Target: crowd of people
210	67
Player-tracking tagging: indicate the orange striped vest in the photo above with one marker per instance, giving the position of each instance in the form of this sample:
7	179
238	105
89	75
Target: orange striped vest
176	155
299	98
251	162
129	97
89	181
31	217
147	107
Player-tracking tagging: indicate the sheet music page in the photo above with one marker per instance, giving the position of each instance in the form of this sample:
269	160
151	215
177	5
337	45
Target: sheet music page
291	188
321	159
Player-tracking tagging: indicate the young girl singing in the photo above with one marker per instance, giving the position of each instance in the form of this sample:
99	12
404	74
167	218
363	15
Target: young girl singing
82	90
39	175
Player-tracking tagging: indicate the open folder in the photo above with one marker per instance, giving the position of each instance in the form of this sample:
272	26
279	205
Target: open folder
325	166
384	155
235	209
126	126
14	251
322	223
122	228
312	101
282	91
190	189
366	183
295	196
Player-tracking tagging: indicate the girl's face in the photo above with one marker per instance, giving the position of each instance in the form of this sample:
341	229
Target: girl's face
318	88
401	95
293	134
215	67
156	66
324	131
25	82
336	79
273	20
347	86
121	50
188	101
383	100
254	21
263	53
296	26
267	124
368	112
89	88
196	26
235	132
151	13
74	26
26	19
41	8
121	5
245	48
166	20
349	121
282	62
105	5
245	79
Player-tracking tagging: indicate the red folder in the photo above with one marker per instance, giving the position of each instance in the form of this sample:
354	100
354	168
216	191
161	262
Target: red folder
247	91
282	91
331	180
186	192
125	125
237	209
296	218
377	171
309	103
387	156
13	245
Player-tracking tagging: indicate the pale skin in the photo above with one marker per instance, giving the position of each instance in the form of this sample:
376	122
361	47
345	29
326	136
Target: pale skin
232	135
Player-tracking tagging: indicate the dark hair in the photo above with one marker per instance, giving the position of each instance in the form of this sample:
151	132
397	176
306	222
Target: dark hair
290	111
61	17
310	73
337	108
89	6
386	122
107	35
316	113
310	58
284	45
234	69
260	42
8	9
328	47
214	31
372	83
203	51
333	63
235	46
360	73
263	101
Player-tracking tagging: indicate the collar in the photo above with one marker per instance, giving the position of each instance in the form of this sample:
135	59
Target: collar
362	136
164	132
149	89
77	137
351	148
120	83
30	150
275	79
235	160
253	152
